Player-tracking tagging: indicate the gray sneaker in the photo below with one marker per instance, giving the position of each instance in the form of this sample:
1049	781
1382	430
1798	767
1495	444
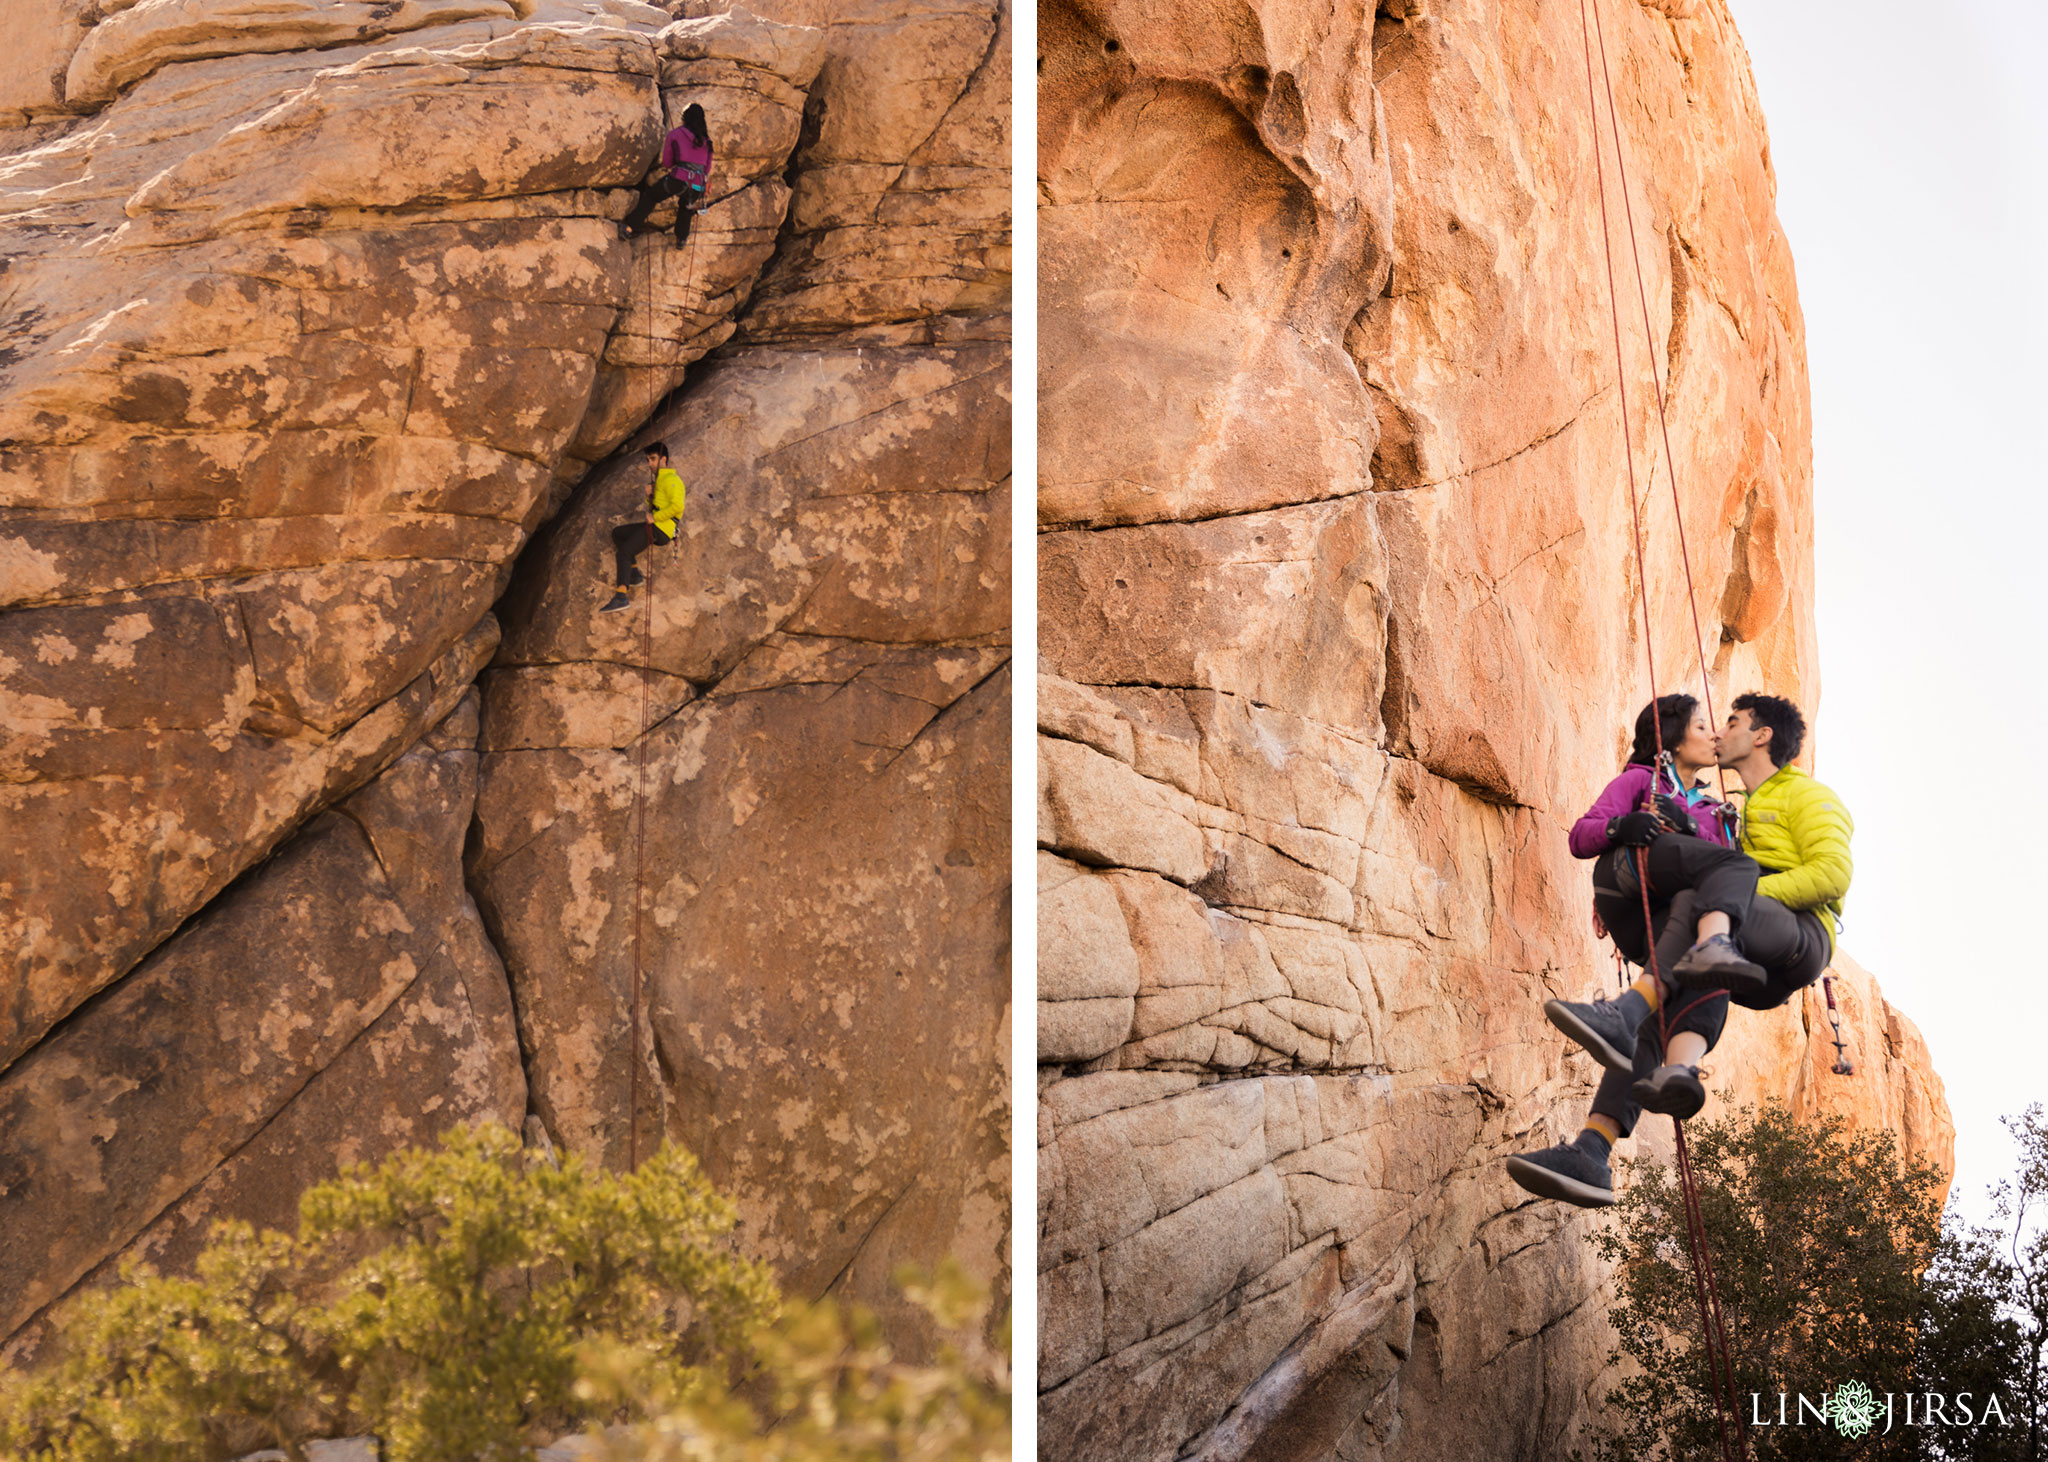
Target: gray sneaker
1715	963
614	604
1567	1172
1607	1028
1674	1091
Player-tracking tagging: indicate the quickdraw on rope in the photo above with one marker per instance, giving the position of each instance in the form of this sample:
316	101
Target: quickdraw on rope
1842	1066
1713	1322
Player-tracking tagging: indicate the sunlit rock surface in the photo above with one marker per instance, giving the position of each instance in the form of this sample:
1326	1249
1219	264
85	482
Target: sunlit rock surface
1337	638
312	316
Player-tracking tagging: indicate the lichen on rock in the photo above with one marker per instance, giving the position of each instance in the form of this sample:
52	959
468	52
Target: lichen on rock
317	321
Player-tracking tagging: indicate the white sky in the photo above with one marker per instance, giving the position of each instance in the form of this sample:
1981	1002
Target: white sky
1911	147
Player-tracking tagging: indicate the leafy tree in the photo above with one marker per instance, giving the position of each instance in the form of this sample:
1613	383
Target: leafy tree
2020	1206
467	1302
1969	1342
1819	1238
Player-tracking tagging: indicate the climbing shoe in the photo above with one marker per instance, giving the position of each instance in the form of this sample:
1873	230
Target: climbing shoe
1674	1091
1715	963
614	604
1571	1172
1607	1028
634	576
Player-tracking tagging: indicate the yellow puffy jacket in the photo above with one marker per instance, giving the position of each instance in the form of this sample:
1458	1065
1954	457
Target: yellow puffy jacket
1799	831
666	501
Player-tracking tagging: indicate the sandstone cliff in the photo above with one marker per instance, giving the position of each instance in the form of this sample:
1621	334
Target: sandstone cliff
1337	637
323	782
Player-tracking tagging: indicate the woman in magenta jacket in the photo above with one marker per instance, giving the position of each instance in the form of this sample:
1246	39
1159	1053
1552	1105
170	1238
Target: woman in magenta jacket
685	171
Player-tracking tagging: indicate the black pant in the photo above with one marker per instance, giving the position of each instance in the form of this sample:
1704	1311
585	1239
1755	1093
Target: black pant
630	540
1718	880
1793	948
665	187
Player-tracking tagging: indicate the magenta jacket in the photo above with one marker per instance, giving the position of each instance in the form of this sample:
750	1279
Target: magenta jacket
1624	795
687	159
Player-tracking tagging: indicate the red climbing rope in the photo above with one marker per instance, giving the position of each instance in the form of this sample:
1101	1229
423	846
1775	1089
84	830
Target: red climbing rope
641	1037
1713	1322
639	998
1656	383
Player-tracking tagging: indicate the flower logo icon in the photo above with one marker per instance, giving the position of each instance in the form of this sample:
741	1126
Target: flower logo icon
1853	1409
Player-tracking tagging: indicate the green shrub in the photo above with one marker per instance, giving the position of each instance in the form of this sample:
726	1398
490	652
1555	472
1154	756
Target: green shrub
466	1303
829	1390
1833	1266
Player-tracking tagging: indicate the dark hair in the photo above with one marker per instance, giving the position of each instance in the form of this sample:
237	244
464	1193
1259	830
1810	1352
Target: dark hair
1781	717
693	118
657	449
1674	717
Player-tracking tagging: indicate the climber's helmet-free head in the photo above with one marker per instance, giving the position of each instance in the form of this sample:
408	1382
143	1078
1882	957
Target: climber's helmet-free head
657	454
1767	720
693	120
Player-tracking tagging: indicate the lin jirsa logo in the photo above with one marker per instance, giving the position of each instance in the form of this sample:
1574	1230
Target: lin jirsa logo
1853	1410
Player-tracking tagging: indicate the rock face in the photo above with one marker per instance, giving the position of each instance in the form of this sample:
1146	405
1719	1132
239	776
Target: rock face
817	807
313	316
1336	603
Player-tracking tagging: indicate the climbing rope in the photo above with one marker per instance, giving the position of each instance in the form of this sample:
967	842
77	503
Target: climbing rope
1713	1321
641	1036
639	999
1656	382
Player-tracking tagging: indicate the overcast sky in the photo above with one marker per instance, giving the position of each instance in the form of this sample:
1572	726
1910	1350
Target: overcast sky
1911	147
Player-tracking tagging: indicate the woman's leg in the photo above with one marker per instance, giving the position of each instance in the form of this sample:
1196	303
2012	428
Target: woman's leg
1722	880
686	203
642	206
650	199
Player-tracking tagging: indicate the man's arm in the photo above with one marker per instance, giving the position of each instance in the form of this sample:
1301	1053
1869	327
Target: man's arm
1820	828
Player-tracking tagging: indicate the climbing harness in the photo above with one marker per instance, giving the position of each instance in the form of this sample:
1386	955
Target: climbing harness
1713	1322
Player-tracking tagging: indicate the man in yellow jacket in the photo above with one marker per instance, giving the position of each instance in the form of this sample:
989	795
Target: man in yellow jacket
665	494
1798	832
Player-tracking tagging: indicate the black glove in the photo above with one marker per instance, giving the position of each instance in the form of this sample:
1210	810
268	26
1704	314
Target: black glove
1635	830
1677	816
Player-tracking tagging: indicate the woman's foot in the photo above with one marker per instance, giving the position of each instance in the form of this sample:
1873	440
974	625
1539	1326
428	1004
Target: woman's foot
614	604
1571	1172
1674	1091
1715	963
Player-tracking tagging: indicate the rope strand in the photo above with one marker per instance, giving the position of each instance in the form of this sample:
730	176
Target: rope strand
641	1036
639	1012
1656	384
1713	1324
1621	387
